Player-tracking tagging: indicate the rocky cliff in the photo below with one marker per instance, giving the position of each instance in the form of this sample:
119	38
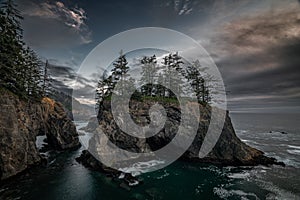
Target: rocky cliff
21	121
229	149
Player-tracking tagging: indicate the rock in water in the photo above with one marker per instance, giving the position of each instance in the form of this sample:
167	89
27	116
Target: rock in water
21	121
229	149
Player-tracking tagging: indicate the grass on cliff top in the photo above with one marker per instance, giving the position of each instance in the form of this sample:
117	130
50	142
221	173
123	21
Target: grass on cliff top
164	100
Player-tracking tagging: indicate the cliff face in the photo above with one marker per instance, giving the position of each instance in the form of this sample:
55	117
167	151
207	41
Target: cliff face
229	150
21	122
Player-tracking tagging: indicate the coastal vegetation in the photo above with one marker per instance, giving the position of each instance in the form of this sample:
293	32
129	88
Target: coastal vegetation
156	79
22	72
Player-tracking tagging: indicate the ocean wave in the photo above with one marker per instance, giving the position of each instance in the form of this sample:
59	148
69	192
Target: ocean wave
293	147
224	193
242	131
293	151
288	161
243	175
141	167
276	192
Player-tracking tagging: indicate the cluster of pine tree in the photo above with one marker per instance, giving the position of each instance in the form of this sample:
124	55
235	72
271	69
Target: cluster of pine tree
153	77
21	69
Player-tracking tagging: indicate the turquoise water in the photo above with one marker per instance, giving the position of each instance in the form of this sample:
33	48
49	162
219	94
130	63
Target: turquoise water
64	178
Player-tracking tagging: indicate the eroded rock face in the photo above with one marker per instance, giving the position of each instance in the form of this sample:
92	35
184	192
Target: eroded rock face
20	123
229	150
60	130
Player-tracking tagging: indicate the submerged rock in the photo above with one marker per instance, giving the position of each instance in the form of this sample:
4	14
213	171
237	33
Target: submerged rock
21	121
89	161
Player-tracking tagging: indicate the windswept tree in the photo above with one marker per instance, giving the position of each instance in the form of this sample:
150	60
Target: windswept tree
11	46
104	88
198	82
106	84
119	72
20	67
160	89
149	70
172	64
32	74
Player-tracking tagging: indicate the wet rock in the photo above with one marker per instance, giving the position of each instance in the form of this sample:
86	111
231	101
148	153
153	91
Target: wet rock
125	186
89	161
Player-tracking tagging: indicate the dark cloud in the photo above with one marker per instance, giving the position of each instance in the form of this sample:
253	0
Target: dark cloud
65	79
259	58
53	24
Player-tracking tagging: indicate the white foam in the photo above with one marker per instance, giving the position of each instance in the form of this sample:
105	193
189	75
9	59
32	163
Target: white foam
39	142
293	151
141	167
293	147
278	193
224	193
245	141
122	175
164	175
134	183
243	175
288	161
242	131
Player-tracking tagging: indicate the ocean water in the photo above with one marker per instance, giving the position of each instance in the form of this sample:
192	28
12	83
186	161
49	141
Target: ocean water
64	178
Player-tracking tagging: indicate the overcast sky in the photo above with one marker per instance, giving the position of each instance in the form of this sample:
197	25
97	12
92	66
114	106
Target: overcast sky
255	43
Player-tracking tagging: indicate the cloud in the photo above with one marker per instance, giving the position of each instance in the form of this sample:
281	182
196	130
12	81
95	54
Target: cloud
66	80
258	57
216	8
47	22
72	17
181	7
255	34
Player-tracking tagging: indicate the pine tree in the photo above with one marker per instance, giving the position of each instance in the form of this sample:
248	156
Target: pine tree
160	89
119	72
107	83
149	70
20	67
33	74
198	83
173	62
11	47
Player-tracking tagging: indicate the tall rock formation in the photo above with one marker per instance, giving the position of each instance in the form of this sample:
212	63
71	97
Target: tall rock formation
21	121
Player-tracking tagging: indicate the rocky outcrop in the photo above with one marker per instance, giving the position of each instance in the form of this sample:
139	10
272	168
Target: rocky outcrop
21	121
229	149
60	130
89	161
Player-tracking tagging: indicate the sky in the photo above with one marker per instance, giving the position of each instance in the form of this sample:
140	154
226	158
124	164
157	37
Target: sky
254	43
